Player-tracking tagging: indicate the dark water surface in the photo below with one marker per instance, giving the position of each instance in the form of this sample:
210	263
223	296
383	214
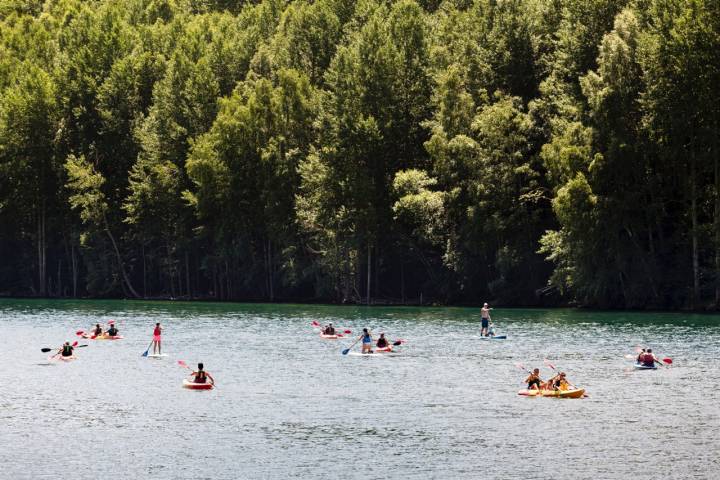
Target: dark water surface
289	405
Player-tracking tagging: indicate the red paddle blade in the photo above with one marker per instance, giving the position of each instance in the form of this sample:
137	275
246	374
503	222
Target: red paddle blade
348	331
340	335
667	360
315	323
80	332
182	364
75	344
110	322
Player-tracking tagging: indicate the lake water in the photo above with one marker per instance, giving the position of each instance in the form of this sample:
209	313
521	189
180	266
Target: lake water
289	405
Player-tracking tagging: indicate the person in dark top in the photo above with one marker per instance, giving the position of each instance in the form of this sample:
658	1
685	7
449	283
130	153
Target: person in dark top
112	331
330	330
67	350
382	341
201	375
97	330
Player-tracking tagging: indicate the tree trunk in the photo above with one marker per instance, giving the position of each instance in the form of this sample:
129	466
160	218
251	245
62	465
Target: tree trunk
716	163
144	272
694	233
41	251
270	271
187	274
73	259
369	273
121	264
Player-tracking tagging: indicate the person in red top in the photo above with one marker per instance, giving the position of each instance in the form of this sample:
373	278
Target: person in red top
648	359
157	348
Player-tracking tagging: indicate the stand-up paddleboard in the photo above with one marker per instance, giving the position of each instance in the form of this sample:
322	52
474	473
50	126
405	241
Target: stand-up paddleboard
494	337
157	355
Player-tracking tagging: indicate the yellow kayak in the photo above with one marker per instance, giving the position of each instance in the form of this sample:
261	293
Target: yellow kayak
573	393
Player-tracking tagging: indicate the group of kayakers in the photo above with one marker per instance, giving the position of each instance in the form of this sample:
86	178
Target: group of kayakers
68	350
558	382
647	358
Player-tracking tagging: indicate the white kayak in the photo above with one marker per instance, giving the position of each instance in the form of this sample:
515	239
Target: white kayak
157	355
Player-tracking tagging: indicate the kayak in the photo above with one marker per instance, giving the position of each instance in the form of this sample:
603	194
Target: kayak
495	337
60	358
109	337
640	366
157	355
575	393
387	349
376	353
197	386
329	337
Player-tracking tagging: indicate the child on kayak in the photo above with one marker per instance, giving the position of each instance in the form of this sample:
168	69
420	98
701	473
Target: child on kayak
366	341
201	375
97	331
156	339
534	382
382	341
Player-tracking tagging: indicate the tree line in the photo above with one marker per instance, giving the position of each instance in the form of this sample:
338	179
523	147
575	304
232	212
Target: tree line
524	151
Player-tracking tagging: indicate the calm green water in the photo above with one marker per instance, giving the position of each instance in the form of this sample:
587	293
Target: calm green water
289	405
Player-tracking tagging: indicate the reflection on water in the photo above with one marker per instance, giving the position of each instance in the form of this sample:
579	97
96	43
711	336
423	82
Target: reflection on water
288	404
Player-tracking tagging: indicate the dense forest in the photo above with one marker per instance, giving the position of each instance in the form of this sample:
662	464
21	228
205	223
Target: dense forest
520	151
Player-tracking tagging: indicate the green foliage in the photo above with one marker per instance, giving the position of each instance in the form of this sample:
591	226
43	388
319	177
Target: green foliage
520	151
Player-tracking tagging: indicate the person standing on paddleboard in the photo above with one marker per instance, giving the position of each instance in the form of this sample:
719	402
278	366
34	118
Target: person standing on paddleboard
485	320
366	341
157	348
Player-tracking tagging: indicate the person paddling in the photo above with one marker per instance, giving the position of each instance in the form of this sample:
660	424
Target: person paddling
382	341
97	331
330	330
558	382
485	320
366	341
112	331
66	350
534	382
648	359
157	332
201	376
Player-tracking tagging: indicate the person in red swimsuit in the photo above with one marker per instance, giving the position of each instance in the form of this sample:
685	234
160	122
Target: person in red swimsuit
157	348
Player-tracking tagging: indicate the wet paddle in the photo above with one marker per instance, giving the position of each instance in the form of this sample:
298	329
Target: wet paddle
46	349
347	350
145	354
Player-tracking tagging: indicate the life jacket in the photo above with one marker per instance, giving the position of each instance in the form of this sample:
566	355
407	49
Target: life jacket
382	342
200	377
648	360
157	331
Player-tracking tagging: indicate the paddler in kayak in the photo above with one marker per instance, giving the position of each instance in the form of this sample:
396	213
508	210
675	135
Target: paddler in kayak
648	359
382	341
112	331
97	331
485	319
558	382
366	341
534	382
66	350
157	340
329	330
201	376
